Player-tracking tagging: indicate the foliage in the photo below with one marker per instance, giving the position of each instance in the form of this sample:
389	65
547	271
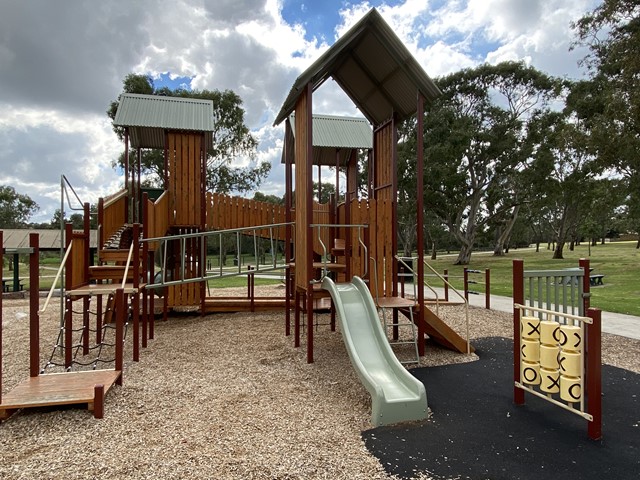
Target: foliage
15	208
612	33
478	149
231	140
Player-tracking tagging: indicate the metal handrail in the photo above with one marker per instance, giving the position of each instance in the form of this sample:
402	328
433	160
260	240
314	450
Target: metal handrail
340	225
126	268
466	303
204	276
55	280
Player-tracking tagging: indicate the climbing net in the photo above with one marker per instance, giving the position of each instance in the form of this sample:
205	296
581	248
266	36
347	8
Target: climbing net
93	343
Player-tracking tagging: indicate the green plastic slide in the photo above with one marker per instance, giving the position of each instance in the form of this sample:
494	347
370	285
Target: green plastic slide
396	395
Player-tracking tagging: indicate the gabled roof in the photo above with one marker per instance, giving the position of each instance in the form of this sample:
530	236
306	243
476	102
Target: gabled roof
148	116
331	133
373	67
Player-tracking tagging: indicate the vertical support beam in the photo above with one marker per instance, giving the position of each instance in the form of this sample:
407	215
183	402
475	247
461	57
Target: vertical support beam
135	298
465	275
586	285
594	372
487	289
68	331
446	285
420	222
121	311
34	304
288	175
166	159
98	401
138	195
86	231
307	229
518	297
126	159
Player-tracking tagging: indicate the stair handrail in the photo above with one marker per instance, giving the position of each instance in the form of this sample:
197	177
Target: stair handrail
126	268
464	300
55	280
324	247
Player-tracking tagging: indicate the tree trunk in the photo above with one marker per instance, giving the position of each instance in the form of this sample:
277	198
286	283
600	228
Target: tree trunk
537	247
499	248
433	251
464	256
557	253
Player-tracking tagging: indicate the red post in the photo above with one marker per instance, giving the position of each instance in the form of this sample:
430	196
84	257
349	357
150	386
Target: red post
466	285
518	297
34	305
594	372
121	309
98	401
487	289
586	284
135	298
420	220
309	305
446	285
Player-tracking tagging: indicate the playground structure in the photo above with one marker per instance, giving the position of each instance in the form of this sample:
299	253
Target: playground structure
557	341
157	247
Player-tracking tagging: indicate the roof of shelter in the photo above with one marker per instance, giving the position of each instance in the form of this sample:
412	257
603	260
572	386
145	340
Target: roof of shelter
149	116
373	67
331	134
18	238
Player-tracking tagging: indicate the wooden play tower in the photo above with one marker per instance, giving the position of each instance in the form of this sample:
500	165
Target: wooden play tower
387	85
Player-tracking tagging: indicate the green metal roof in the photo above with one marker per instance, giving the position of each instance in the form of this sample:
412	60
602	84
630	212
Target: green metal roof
331	133
149	116
373	67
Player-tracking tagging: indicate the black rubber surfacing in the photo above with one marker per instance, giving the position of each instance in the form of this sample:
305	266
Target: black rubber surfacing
476	431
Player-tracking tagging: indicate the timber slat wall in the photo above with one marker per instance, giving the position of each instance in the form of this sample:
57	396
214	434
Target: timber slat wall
302	186
113	213
185	174
384	194
158	218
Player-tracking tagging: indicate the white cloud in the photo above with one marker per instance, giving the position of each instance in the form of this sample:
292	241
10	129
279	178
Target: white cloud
54	93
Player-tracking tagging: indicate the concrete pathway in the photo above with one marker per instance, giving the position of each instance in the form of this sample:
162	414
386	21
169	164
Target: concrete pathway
614	323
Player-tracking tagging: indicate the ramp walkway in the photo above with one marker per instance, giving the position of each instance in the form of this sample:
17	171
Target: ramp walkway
396	395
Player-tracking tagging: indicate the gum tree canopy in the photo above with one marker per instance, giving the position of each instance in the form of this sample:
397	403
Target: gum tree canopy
15	208
232	140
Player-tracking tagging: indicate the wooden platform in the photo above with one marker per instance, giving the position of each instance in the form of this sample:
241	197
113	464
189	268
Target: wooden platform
235	304
69	388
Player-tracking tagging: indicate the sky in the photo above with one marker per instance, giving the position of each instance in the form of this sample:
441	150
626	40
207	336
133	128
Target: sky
63	62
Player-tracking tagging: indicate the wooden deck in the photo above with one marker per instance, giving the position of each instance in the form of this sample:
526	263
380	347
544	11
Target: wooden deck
61	389
235	304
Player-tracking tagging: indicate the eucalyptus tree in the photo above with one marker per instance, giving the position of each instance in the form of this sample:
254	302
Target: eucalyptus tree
612	33
232	140
477	148
15	208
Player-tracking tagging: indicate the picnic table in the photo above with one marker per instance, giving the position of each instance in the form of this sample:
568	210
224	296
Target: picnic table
9	286
596	280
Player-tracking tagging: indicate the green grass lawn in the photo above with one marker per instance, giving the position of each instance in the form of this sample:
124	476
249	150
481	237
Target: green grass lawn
619	262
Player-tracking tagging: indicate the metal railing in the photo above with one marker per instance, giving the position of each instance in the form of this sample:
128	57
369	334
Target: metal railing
200	259
325	255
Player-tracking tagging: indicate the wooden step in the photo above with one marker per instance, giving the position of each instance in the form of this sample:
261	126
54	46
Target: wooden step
110	272
61	389
112	255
